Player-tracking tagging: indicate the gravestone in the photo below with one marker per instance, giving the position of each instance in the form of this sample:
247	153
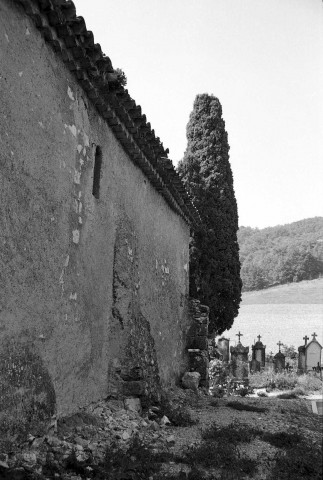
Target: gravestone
301	355
259	352
313	355
223	348
239	360
279	359
270	362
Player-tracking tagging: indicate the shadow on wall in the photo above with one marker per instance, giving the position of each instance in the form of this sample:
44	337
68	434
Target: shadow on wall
27	395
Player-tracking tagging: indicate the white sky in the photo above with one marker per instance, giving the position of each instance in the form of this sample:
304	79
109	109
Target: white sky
263	59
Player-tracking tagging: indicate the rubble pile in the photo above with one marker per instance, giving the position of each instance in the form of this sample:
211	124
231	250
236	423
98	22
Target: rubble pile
83	439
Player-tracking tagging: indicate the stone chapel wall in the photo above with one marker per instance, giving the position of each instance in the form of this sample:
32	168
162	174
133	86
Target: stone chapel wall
91	288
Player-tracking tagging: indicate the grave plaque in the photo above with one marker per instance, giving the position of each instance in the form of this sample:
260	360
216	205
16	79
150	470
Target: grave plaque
279	359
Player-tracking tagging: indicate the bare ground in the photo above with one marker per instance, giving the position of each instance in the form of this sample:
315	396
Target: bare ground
282	439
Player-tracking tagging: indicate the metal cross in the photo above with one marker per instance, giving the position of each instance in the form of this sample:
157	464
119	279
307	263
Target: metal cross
259	337
239	335
306	338
279	345
314	335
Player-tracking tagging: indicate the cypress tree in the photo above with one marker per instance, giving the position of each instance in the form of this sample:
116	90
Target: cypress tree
214	251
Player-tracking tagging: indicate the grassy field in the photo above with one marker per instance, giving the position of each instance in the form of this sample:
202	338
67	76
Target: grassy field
306	292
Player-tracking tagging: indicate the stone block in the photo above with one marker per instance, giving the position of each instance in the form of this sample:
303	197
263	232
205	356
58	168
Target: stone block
199	363
197	329
191	380
197	342
134	388
133	404
130	374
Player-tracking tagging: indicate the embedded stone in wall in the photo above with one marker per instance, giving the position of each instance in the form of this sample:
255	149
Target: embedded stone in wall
135	372
27	395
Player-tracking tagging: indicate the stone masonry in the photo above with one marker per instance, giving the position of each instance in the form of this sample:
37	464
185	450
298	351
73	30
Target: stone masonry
197	340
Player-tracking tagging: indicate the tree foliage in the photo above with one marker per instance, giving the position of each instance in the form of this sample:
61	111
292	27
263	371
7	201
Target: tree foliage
281	254
214	251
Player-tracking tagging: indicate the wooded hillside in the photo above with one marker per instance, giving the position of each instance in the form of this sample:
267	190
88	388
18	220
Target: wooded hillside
281	254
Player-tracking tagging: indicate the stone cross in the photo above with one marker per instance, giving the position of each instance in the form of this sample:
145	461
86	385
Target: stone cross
279	345
259	337
306	338
239	335
314	335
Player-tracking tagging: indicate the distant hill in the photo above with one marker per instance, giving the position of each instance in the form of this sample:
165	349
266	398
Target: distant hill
306	292
282	254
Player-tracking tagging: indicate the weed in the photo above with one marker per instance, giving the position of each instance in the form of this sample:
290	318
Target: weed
247	407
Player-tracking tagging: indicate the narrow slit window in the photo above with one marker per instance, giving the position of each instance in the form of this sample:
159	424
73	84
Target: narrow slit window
97	172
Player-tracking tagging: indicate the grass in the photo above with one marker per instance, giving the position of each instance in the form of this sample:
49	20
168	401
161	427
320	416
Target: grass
236	405
295	460
301	384
233	433
308	291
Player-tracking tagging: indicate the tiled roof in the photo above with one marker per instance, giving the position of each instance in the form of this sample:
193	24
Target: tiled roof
69	37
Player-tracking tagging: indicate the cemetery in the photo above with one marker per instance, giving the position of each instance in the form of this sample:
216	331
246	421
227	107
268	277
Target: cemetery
234	370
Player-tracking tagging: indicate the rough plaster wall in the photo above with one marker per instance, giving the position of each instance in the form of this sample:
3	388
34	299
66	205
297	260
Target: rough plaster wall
61	250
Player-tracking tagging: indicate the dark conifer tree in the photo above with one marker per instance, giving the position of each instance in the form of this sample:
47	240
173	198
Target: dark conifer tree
214	252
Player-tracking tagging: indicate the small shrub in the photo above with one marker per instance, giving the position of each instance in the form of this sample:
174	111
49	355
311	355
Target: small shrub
223	455
262	394
245	406
298	463
211	454
179	415
137	461
282	439
310	383
214	402
285	381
